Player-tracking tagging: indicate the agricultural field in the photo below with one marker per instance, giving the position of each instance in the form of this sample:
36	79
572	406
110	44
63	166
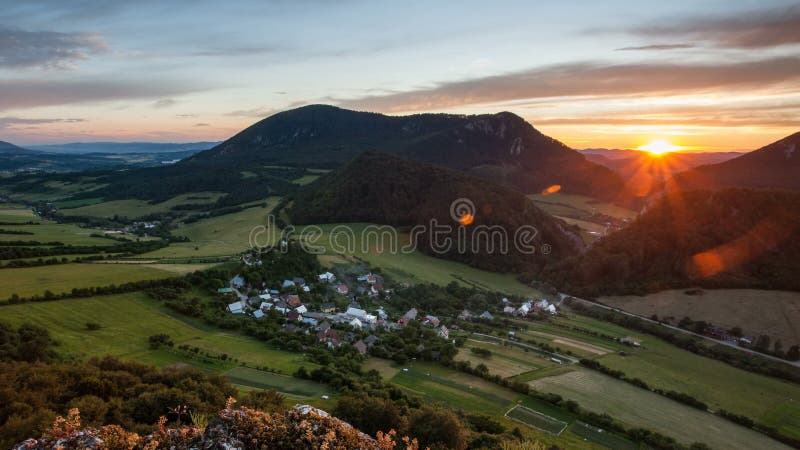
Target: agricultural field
45	231
777	310
137	208
641	408
578	206
228	234
63	277
414	267
127	320
536	419
505	360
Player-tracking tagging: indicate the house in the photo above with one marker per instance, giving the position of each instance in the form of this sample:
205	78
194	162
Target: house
329	336
431	321
355	323
508	310
328	307
299	281
355	312
292	300
265	297
342	289
258	314
465	315
236	308
443	332
411	314
253	301
225	290
309	321
265	306
291	328
237	281
327	277
382	314
293	316
274	292
551	309
354	304
372	279
301	309
324	326
306	288
371	340
361	347
287	284
487	315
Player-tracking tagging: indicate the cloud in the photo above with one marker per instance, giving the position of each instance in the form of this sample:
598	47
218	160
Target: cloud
657	47
202	125
589	79
25	93
13	122
46	49
760	29
164	103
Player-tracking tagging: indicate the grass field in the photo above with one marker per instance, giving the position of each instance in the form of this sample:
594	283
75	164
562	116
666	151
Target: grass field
578	206
63	277
126	322
638	407
417	267
506	361
777	310
222	235
600	436
282	383
132	208
536	419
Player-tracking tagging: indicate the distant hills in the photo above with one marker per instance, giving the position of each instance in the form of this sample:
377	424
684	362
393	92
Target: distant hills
776	165
502	147
385	189
123	147
737	238
644	173
17	159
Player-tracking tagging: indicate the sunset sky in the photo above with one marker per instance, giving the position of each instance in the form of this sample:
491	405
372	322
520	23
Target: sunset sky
710	75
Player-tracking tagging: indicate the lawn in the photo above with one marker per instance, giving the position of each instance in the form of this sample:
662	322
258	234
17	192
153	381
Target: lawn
63	277
777	310
127	320
536	419
221	235
285	384
641	408
132	208
415	267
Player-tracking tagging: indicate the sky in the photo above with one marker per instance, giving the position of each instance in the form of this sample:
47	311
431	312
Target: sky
701	74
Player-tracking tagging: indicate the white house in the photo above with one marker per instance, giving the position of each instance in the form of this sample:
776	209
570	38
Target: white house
236	308
265	306
355	323
301	309
327	277
258	314
508	310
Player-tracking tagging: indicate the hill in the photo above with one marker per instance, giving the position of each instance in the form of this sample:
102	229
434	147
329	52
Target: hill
733	238
501	146
776	165
124	147
385	189
645	173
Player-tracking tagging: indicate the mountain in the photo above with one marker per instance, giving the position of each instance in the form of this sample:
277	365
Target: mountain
645	173
386	189
776	165
124	147
7	147
500	146
736	238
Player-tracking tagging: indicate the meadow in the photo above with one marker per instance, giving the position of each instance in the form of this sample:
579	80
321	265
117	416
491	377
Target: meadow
578	206
133	209
641	408
416	267
727	308
63	277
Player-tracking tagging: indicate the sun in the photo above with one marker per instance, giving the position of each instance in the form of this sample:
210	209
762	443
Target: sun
659	147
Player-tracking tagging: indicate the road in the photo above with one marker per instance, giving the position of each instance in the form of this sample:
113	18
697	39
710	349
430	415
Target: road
691	333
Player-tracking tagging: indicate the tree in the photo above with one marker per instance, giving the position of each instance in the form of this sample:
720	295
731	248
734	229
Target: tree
794	353
370	414
438	429
736	331
777	348
762	343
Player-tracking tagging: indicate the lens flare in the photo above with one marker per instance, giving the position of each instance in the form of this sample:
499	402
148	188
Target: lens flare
551	189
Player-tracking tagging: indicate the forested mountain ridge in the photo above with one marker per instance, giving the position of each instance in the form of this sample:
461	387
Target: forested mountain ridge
736	238
385	189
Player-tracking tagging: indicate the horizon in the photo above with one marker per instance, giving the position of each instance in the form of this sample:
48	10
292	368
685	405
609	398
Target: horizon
704	77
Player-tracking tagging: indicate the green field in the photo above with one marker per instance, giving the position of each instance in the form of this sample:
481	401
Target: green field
221	235
594	434
283	383
777	310
579	206
416	267
137	208
506	361
128	319
63	277
536	419
641	408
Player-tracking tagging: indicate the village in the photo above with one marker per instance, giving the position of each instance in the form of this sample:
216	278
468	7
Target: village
353	323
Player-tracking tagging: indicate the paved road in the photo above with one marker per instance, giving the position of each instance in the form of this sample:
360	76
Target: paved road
530	347
692	333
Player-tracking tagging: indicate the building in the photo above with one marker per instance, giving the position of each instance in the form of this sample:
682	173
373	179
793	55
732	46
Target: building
236	308
443	332
431	321
237	281
258	314
361	347
342	289
287	284
327	277
487	315
225	290
328	307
